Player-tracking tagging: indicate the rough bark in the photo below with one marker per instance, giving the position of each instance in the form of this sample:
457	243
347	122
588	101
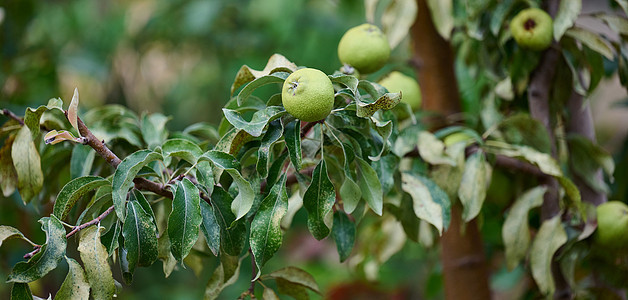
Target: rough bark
464	265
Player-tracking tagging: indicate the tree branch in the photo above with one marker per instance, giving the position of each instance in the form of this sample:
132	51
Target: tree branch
13	116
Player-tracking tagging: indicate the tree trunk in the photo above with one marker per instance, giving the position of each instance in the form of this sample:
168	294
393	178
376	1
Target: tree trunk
464	265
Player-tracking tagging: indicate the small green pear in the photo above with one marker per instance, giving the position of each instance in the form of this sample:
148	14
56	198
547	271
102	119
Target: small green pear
364	47
397	82
612	225
308	95
533	29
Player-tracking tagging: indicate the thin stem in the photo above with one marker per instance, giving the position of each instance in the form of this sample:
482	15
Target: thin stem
253	273
75	230
13	116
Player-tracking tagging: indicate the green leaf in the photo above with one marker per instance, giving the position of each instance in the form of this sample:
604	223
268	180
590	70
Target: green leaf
260	119
244	200
124	175
318	200
26	161
430	202
183	149
75	285
164	254
350	194
8	175
550	237
94	256
618	24
544	161
232	232
266	232
111	237
591	40
233	141
248	89
566	16
370	186
432	150
140	237
185	219
269	294
224	275
32	117
73	191
210	228
272	135
48	256
385	101
521	129
292	135
443	16
72	112
397	20
276	63
343	232
154	129
515	232
205	177
8	232
587	158
473	186
81	161
349	81
291	289
384	129
296	276
21	291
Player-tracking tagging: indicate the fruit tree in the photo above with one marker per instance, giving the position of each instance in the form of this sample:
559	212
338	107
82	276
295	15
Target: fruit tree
455	137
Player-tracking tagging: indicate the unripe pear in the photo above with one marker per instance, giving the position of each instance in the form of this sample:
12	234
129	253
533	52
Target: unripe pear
308	95
364	47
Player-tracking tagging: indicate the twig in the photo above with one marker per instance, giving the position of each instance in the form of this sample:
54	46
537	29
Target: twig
13	116
75	230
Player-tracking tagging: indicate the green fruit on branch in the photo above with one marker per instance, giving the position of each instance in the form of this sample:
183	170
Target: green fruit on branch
397	82
364	47
308	95
612	225
457	137
533	29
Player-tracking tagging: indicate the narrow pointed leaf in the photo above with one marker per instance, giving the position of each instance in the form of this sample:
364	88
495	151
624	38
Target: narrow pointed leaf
21	291
81	161
232	232
515	231
266	235
591	40
210	228
567	14
73	110
473	186
140	237
272	135
32	117
430	203
183	149
185	219
124	175
27	163
344	234
154	130
75	285
224	275
550	237
295	276
8	232
292	135
318	200
111	237
370	186
94	256
248	89
8	175
205	177
260	119
73	191
47	258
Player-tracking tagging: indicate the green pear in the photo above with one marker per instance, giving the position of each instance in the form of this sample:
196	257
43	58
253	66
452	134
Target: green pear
397	82
308	95
612	225
533	29
364	47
